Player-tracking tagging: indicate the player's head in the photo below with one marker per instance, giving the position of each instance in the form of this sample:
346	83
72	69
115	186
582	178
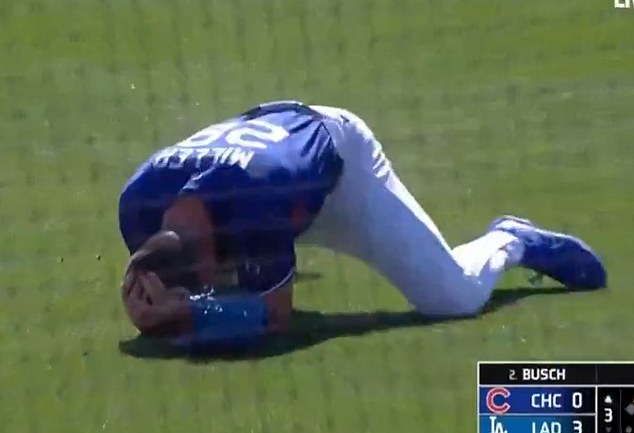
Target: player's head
171	258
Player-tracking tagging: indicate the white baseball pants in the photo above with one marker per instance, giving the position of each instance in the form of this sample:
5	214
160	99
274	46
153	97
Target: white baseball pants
372	216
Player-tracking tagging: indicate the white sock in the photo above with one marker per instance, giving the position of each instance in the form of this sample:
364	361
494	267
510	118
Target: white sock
487	257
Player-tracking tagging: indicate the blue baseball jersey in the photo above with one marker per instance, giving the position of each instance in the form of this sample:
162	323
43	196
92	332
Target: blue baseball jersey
263	175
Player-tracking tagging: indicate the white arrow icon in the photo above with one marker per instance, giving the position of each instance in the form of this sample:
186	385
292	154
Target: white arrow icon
608	399
608	429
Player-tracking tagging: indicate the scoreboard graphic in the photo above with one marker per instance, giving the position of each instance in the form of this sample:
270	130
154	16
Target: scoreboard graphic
556	397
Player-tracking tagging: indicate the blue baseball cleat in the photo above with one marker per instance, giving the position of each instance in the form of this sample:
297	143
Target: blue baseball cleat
562	257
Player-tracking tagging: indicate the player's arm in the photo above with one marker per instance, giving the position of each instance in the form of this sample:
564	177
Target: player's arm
265	272
263	250
204	319
188	217
266	265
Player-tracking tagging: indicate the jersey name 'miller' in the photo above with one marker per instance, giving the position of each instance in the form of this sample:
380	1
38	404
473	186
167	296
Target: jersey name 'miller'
175	157
545	374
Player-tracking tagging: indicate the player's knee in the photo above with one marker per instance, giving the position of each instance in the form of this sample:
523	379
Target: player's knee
467	302
472	307
460	309
472	301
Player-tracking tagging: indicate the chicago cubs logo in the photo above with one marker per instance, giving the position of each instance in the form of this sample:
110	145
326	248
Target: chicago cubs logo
496	400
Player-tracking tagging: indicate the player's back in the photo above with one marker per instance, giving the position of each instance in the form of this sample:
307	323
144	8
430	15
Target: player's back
272	159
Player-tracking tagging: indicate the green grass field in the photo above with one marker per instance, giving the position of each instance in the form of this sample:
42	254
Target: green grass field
484	106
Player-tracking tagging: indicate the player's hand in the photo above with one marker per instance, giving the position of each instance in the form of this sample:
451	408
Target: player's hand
154	309
157	293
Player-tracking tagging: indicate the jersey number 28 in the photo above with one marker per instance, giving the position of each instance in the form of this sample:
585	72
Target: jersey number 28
254	134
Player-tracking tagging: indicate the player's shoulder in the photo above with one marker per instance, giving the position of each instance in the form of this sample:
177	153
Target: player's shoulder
280	106
290	113
157	171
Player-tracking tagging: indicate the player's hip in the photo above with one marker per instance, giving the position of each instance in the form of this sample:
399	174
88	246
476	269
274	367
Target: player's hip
345	221
355	142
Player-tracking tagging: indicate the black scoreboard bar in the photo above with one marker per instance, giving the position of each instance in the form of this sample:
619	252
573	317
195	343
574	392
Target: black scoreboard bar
544	373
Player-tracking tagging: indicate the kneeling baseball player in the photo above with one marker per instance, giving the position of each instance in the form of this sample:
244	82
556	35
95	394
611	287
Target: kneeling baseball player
226	207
